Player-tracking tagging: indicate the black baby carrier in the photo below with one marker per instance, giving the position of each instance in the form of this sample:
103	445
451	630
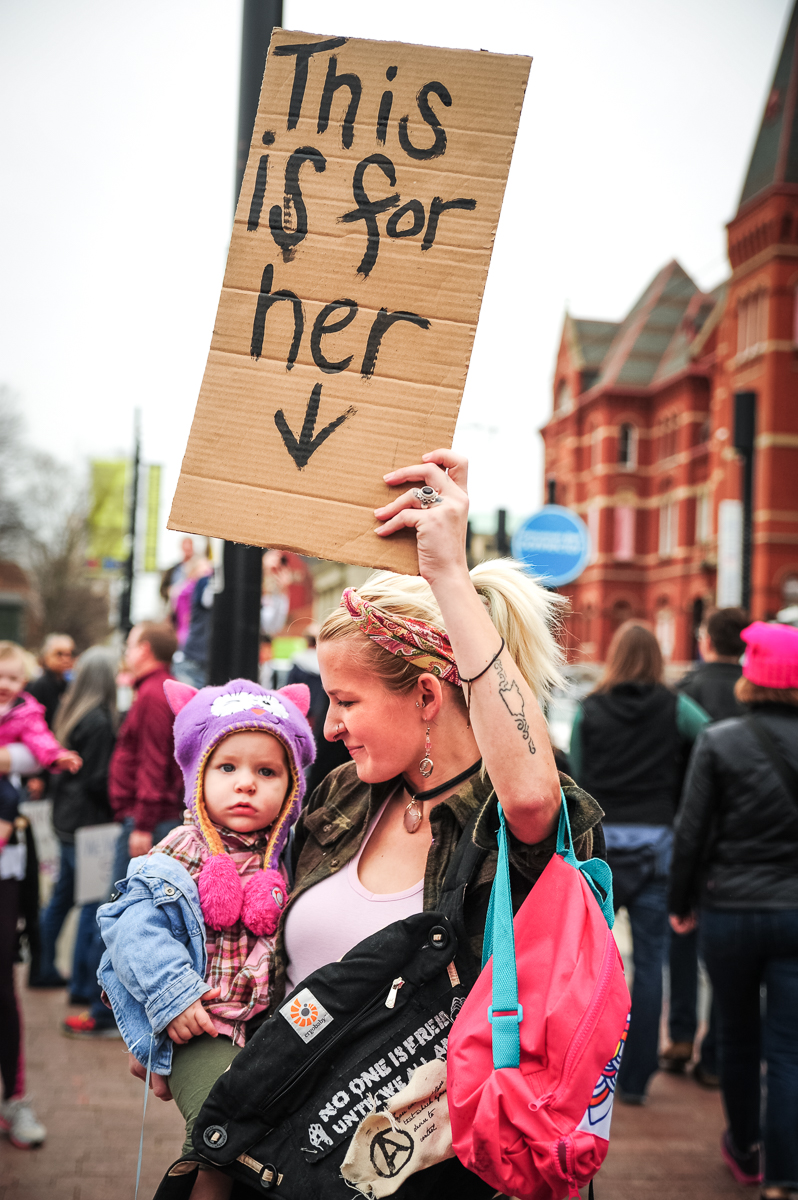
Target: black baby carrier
280	1120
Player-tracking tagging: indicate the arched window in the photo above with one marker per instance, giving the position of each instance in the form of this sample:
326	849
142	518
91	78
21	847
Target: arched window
665	632
627	446
621	612
624	532
668	527
752	319
703	517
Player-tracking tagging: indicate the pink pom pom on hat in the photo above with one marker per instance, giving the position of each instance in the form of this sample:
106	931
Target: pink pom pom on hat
202	719
771	656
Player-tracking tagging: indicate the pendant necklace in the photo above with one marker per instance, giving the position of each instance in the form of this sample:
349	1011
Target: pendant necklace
413	814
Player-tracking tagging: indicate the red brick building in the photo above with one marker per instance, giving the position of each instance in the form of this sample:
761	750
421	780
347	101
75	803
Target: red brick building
640	441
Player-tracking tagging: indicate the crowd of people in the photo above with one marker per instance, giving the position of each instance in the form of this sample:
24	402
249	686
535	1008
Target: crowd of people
698	785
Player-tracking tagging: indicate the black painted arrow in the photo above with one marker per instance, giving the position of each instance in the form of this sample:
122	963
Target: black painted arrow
307	445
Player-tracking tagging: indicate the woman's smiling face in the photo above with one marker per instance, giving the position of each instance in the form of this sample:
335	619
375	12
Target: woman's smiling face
381	729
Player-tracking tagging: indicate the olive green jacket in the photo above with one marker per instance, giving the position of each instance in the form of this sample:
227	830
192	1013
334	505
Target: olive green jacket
332	826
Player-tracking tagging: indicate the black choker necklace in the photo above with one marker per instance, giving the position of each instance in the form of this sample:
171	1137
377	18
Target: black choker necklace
442	787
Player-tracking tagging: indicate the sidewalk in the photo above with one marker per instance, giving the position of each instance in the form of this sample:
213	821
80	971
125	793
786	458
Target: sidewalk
92	1109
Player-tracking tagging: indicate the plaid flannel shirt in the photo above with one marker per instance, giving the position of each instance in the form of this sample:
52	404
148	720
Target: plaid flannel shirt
238	961
332	826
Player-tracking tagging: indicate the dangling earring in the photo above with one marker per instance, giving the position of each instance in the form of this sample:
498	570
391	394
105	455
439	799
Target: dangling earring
413	814
426	765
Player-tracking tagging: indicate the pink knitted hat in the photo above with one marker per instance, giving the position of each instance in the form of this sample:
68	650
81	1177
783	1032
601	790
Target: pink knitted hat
202	720
771	657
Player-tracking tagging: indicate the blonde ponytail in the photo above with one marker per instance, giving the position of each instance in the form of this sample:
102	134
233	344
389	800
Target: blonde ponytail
528	618
525	614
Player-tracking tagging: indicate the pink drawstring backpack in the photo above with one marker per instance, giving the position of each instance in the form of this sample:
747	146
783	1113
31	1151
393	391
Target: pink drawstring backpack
534	1053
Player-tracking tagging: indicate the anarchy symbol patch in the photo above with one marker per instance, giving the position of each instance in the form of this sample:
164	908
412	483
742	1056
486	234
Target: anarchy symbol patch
391	1150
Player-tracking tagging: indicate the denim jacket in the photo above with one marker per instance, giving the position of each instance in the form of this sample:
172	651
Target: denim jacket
155	959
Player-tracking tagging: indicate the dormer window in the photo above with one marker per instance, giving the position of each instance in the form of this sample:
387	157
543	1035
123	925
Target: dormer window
564	398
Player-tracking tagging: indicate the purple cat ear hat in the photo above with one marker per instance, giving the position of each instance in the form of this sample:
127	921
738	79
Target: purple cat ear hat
202	719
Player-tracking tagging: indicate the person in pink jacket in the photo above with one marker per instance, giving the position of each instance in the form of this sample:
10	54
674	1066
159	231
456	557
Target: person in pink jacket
22	718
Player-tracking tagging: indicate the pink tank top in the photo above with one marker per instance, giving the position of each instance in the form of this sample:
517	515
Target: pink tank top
329	919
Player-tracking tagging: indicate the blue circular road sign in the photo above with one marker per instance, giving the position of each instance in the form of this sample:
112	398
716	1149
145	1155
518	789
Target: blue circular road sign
553	543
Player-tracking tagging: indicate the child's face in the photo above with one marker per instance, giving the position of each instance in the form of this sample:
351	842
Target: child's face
12	678
246	781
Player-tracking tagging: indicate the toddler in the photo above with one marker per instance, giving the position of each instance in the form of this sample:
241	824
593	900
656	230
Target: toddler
189	933
22	723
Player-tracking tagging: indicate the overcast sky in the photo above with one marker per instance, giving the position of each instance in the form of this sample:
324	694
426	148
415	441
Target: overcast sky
118	126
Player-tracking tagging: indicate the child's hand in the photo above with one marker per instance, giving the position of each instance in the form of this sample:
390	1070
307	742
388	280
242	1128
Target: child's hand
193	1020
68	760
5	831
158	1083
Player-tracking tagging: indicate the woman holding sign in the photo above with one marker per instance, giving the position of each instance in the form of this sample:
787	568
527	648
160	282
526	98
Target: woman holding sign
434	685
430	679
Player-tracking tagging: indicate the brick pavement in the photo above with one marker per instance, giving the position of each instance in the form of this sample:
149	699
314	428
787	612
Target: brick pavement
92	1109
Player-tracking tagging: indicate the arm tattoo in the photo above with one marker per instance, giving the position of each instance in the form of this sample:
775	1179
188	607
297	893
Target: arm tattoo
514	703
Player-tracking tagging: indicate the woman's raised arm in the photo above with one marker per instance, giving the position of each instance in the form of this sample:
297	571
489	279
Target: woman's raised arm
507	721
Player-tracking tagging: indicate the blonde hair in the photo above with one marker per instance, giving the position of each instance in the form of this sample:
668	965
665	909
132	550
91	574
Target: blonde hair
13	650
94	686
525	614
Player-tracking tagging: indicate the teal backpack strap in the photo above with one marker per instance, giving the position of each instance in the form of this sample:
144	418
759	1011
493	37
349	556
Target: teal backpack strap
505	1013
596	872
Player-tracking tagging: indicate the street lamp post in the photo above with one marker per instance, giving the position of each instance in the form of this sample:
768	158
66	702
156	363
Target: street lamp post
744	433
126	597
235	624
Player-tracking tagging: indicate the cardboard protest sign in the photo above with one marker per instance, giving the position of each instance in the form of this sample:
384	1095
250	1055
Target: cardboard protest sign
357	263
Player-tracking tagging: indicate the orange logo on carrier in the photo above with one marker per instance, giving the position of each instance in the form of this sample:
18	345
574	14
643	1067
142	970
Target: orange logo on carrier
306	1015
303	1013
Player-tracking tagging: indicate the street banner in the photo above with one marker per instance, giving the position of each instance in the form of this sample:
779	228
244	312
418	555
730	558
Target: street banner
354	279
153	518
108	517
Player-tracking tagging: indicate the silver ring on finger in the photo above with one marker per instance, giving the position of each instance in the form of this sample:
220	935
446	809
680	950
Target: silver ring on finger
427	496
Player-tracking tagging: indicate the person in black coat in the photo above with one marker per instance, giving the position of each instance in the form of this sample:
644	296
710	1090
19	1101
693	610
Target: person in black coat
735	874
85	722
711	684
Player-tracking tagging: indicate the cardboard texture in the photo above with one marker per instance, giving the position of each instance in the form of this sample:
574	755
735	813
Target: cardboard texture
358	259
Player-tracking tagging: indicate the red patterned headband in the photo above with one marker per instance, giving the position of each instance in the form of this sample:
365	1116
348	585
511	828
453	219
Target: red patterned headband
425	646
